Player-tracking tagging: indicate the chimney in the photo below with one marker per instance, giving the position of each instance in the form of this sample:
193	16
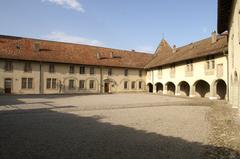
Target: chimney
174	48
36	47
214	37
98	55
111	55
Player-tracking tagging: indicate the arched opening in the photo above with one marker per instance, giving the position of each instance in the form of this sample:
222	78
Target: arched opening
150	87
109	85
159	88
184	88
221	89
170	88
202	88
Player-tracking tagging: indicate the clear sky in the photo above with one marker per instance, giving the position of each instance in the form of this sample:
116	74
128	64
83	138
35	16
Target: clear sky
122	24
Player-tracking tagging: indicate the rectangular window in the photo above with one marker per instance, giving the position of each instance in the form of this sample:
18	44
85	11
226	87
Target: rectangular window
91	84
140	85
126	72
71	84
54	83
51	83
8	66
71	69
189	66
81	84
140	73
213	64
110	72
91	70
133	85
210	63
48	83
51	68
27	67
24	83
30	82
27	83
126	85
82	69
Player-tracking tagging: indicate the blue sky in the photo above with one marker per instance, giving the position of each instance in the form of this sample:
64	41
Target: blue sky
122	24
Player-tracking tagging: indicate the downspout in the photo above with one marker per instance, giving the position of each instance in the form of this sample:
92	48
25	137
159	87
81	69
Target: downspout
101	80
228	83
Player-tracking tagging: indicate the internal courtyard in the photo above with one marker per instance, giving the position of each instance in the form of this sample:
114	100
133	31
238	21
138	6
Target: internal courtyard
133	125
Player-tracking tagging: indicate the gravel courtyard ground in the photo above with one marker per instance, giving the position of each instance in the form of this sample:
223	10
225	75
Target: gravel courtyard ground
121	126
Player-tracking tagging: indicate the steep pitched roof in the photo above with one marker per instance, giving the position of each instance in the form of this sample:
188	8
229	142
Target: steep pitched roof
224	13
48	51
194	50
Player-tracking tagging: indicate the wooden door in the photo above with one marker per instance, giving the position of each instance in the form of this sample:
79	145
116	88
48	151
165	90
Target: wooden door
8	85
106	88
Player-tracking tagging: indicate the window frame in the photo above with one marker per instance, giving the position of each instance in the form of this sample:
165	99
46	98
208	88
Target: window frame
82	69
51	68
71	69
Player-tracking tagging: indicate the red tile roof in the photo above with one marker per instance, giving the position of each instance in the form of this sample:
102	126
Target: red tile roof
48	51
164	55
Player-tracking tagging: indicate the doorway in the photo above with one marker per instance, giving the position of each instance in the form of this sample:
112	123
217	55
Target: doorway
8	85
106	87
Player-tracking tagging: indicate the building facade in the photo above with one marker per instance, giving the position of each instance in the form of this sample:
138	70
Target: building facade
229	20
196	70
29	66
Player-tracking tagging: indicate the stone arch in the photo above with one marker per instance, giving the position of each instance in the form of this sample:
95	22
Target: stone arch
159	87
170	88
201	88
65	83
143	84
110	85
97	85
183	88
219	89
150	87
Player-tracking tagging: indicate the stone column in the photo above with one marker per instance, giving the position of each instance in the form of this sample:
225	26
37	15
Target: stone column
165	89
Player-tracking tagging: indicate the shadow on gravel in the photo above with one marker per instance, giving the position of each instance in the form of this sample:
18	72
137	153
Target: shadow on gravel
48	134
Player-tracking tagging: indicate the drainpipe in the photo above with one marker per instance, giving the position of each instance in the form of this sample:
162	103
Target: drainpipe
228	86
101	80
40	78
